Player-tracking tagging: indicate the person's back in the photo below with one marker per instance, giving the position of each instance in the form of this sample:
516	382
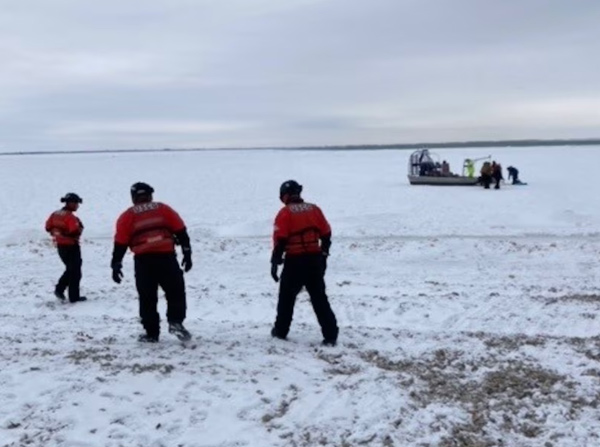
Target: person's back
149	227
151	230
497	174
486	175
497	171
303	234
486	169
302	224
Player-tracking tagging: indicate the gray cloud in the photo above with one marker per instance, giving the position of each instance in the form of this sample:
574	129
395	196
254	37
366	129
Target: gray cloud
79	75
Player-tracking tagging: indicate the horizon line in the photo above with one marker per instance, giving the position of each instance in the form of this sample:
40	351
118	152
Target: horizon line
340	147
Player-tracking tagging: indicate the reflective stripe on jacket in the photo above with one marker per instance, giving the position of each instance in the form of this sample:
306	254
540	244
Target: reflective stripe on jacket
149	228
301	225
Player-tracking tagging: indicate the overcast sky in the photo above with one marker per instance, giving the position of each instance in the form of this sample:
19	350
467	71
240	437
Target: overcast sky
245	73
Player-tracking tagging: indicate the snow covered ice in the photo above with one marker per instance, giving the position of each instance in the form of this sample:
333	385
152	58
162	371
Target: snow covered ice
468	317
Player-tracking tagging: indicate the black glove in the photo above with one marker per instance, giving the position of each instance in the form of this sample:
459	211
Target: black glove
182	238
117	272
274	274
276	260
115	264
186	263
324	261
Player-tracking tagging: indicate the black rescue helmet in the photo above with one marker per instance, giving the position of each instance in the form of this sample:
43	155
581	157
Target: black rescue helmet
290	188
71	197
141	189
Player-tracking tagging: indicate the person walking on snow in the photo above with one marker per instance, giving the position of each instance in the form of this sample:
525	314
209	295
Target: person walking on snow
303	234
151	230
66	229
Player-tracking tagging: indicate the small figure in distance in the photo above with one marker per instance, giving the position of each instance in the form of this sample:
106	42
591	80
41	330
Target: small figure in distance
66	228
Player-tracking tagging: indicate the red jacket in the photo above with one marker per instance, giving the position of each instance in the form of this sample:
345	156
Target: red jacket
64	227
301	225
148	228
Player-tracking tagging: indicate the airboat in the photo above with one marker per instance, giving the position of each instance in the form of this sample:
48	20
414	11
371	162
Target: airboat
424	168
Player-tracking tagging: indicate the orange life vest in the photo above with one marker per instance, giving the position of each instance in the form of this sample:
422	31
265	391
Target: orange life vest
149	228
302	225
64	227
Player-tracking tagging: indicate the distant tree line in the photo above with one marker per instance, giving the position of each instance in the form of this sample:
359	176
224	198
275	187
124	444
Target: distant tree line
442	145
461	144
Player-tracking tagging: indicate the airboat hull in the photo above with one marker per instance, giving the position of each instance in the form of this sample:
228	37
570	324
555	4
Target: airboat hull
442	181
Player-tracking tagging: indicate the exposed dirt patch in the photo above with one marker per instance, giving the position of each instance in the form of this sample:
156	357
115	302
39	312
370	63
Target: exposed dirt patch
339	364
573	298
511	343
108	361
283	407
499	394
589	347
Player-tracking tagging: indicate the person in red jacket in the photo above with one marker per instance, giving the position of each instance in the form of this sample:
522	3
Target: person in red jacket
303	234
151	230
66	228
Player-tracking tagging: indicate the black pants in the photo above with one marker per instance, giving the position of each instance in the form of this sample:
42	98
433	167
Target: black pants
497	179
486	180
307	271
71	278
151	271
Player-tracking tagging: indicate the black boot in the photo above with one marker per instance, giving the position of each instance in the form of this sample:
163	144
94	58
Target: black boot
276	335
145	338
180	332
78	299
59	294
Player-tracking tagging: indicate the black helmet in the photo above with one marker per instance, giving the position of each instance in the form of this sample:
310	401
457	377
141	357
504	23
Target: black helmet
141	189
71	197
290	188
